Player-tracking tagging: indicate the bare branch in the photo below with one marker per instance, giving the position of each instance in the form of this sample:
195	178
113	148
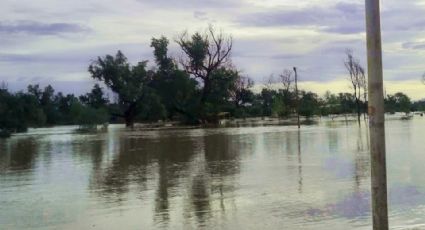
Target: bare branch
286	79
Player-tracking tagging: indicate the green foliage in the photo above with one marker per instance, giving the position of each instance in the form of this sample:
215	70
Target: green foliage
278	107
398	102
197	49
127	81
122	78
342	103
85	116
418	106
309	104
177	92
164	62
96	98
203	87
12	113
151	109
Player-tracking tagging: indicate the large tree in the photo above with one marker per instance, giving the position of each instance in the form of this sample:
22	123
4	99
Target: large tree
127	81
204	54
178	92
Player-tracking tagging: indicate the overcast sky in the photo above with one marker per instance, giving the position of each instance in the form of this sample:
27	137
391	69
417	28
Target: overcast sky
53	41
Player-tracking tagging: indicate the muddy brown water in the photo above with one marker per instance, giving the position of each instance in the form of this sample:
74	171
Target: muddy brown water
273	177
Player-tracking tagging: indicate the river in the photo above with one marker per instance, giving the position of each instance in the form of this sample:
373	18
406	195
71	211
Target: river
273	177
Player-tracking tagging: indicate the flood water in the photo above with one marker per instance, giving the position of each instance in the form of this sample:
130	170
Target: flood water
228	178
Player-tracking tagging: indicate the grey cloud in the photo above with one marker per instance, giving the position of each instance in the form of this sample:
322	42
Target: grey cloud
340	18
201	15
414	45
67	87
308	16
191	4
349	8
346	29
134	51
38	28
15	58
286	56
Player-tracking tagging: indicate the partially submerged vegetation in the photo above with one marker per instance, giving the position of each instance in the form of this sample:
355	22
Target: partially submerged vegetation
200	88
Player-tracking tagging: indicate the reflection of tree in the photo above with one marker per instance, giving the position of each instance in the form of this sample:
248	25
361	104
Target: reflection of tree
114	181
332	140
22	153
171	154
93	150
361	157
222	154
200	197
300	163
213	175
290	148
204	165
135	163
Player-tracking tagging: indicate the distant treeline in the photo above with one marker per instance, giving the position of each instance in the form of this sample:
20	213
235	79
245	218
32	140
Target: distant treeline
200	87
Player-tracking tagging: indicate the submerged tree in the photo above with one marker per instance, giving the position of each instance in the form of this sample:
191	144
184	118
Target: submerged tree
309	104
205	53
289	96
398	102
127	81
178	92
242	93
96	98
357	78
287	78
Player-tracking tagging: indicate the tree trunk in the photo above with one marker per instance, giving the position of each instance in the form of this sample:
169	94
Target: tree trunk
357	103
204	96
205	92
129	115
358	110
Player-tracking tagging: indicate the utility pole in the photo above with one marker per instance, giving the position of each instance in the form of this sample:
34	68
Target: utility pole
297	100
376	116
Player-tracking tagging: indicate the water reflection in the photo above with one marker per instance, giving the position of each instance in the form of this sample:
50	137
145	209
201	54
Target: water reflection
20	154
253	177
202	166
300	163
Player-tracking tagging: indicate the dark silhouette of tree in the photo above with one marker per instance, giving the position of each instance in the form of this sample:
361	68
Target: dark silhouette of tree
128	81
96	98
178	92
205	53
357	78
287	78
309	104
398	102
242	91
222	84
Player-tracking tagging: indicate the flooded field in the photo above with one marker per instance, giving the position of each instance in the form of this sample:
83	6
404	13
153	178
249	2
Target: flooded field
273	177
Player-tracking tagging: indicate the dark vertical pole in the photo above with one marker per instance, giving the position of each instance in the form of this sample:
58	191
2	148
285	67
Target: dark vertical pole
300	167
297	100
376	116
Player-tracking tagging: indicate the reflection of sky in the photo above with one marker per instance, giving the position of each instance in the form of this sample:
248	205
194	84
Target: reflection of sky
229	178
341	168
358	204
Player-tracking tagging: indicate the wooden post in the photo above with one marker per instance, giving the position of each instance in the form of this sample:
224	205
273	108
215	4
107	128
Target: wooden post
297	100
376	116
